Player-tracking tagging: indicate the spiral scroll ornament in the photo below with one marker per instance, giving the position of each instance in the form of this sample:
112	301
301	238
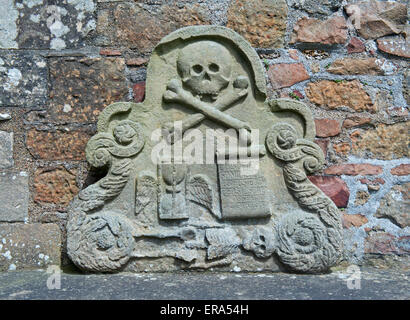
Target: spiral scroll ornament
124	139
307	241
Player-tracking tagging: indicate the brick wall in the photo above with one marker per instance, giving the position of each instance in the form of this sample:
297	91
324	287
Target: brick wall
62	63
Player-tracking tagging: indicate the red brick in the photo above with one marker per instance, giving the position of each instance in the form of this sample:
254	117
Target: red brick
354	169
323	144
55	185
110	52
355	46
353	220
330	31
139	91
385	243
284	75
401	170
335	188
327	128
59	144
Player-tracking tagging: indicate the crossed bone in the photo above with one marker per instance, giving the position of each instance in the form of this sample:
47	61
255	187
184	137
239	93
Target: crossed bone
175	93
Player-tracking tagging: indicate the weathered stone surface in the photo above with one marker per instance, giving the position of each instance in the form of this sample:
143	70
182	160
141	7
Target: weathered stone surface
355	121
342	148
383	142
29	246
353	220
8	25
55	185
355	66
6	150
374	19
14	197
332	95
110	52
58	145
373	184
4	116
139	91
395	206
330	31
286	74
385	243
43	24
395	46
401	170
327	128
361	169
80	89
334	187
131	25
406	86
23	79
136	61
317	7
355	46
202	214
261	22
361	198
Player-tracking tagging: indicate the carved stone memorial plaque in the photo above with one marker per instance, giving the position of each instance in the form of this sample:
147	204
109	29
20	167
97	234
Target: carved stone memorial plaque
206	173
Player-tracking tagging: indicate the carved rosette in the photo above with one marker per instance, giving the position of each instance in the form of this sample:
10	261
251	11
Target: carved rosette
103	241
123	140
306	241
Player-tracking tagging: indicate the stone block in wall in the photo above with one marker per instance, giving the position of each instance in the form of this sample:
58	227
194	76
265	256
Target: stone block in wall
327	127
41	24
284	75
337	94
334	187
359	66
60	144
24	80
55	185
261	22
386	243
29	246
382	142
6	150
395	46
395	206
329	32
317	7
14	197
131	25
81	89
360	169
375	19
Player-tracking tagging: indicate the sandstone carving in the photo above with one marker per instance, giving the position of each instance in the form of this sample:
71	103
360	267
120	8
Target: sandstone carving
159	208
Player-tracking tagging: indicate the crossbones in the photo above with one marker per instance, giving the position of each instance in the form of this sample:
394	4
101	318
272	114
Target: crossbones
177	94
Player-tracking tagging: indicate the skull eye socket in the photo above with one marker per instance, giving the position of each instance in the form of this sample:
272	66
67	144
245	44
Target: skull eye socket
197	68
213	67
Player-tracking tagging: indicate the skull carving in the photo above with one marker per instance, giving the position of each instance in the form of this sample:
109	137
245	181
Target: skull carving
205	68
261	242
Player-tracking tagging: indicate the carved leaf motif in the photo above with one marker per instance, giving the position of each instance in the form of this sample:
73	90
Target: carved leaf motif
146	192
199	190
95	195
